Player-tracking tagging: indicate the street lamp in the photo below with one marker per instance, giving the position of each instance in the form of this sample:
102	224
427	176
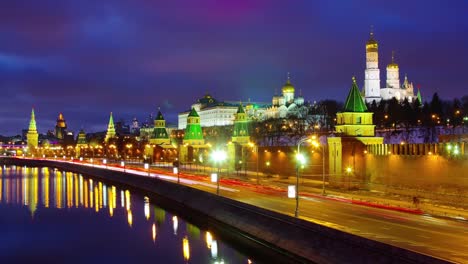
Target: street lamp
300	162
218	157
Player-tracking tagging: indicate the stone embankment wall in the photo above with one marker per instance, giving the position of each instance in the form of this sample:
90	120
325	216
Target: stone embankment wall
303	241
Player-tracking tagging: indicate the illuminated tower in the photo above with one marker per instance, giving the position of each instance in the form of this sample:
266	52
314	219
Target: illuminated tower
160	135
81	143
60	127
32	135
240	133
193	132
110	129
372	72
355	120
288	91
393	75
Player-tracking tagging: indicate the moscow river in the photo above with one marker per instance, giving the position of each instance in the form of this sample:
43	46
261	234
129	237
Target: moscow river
52	216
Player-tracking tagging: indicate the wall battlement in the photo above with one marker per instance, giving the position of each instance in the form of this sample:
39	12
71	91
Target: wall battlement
449	149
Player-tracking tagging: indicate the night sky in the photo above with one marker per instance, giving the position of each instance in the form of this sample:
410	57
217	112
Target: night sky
87	58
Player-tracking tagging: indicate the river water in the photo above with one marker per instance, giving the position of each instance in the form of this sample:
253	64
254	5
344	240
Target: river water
52	216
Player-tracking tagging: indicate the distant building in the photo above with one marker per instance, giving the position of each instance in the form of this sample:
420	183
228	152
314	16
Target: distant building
60	127
286	104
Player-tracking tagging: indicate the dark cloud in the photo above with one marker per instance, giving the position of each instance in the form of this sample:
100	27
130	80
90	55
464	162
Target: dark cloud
88	58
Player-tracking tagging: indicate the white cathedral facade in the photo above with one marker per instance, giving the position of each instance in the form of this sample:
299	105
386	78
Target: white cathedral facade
393	88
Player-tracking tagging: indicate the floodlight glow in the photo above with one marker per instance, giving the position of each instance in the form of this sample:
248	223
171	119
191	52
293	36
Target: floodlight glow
219	155
300	158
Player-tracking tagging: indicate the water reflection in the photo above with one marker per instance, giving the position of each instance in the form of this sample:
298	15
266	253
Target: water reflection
44	189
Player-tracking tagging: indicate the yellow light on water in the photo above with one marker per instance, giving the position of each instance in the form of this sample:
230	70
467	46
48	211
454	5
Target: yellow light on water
186	248
129	218
154	232
209	239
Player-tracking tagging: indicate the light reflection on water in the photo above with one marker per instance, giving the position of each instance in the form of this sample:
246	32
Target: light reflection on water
96	213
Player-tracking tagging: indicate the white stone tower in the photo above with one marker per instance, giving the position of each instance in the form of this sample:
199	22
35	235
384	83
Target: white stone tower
372	73
393	75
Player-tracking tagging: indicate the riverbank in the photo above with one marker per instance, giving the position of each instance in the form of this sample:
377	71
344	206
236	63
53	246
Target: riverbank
302	240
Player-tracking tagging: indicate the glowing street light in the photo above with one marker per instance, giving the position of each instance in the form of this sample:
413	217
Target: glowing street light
122	164
218	156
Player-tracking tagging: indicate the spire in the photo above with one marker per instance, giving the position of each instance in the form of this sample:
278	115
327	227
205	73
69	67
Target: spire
32	122
159	116
110	129
240	109
193	113
419	95
289	78
371	44
393	64
354	102
111	122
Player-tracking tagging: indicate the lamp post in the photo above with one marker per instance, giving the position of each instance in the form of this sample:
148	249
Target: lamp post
300	160
218	157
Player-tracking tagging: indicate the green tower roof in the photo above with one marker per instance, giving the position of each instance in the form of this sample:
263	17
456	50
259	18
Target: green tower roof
240	109
111	121
193	113
159	116
32	122
419	96
354	102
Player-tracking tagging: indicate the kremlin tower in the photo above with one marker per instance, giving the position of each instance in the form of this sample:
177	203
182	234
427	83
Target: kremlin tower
60	127
110	129
32	135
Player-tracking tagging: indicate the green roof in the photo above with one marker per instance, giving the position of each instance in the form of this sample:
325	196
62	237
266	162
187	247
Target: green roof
354	101
159	116
240	109
419	96
193	113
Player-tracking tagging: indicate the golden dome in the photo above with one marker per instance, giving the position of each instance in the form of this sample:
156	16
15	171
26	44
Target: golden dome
288	87
371	44
392	65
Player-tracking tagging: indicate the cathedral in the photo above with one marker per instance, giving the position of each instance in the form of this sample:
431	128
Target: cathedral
286	104
393	88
